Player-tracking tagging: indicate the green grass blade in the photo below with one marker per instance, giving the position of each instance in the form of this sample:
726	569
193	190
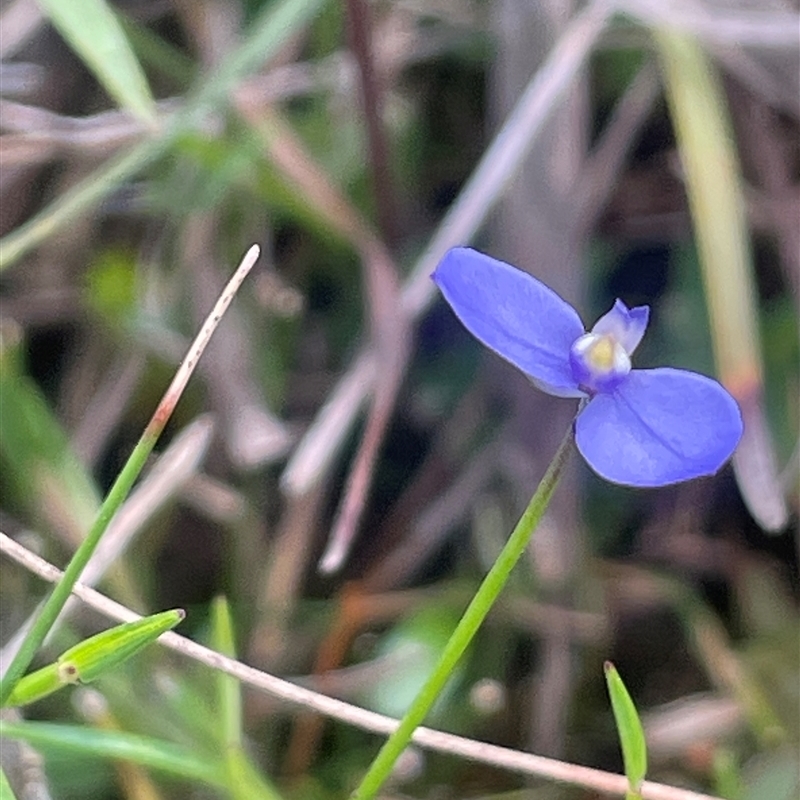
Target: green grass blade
228	692
155	754
40	469
712	179
123	483
716	199
62	590
93	31
244	781
629	728
6	792
277	24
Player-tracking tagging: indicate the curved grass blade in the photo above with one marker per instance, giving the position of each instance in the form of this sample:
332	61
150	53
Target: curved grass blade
629	728
93	31
228	693
157	754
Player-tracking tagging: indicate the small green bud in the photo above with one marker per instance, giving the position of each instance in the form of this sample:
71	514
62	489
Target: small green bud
90	658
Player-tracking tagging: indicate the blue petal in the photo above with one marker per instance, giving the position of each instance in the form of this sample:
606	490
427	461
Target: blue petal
659	426
513	314
626	325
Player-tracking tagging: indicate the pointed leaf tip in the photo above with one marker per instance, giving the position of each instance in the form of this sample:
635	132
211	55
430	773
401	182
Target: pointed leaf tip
629	728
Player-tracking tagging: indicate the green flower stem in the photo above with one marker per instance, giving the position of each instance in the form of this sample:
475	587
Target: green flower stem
466	629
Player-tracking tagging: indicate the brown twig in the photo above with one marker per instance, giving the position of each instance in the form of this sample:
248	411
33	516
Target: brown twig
359	25
389	328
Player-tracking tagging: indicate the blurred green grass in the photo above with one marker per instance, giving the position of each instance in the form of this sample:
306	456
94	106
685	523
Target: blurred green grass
109	253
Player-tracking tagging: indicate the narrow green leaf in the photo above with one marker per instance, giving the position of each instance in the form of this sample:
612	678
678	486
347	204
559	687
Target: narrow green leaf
93	31
35	452
714	188
6	792
245	782
228	693
629	728
166	757
123	483
90	658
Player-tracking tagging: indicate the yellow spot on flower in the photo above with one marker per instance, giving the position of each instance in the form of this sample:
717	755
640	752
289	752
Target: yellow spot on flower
601	354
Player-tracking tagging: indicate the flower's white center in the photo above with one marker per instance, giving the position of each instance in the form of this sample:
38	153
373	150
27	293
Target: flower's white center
599	362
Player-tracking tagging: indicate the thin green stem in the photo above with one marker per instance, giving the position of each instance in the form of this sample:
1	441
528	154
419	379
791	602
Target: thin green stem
476	612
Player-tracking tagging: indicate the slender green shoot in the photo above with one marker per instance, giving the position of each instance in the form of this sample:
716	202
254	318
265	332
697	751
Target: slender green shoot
631	733
158	754
228	692
122	485
245	782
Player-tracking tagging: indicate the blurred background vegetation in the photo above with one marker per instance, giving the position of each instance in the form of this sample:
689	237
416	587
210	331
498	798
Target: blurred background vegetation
147	144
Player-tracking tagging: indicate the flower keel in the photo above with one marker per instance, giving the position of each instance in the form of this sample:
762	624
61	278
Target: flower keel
599	363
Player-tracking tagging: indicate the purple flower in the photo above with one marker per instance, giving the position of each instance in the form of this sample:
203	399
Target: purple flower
639	427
